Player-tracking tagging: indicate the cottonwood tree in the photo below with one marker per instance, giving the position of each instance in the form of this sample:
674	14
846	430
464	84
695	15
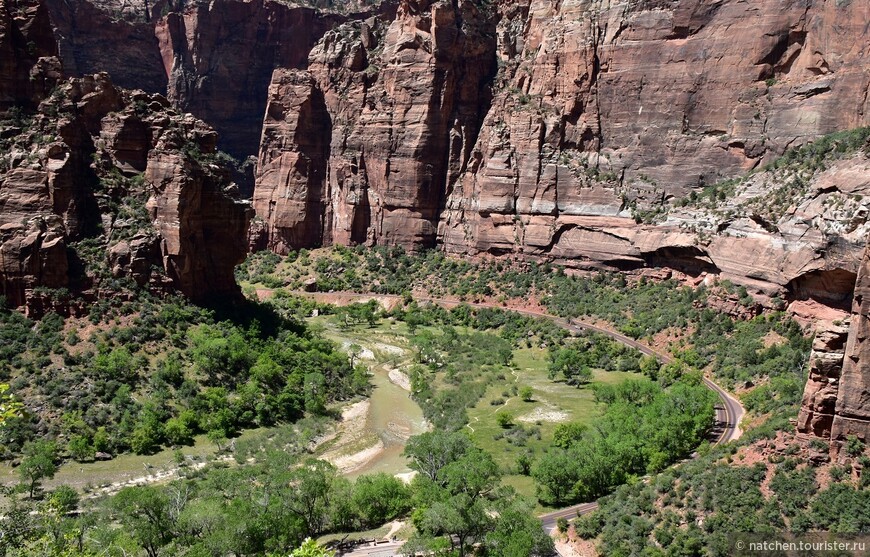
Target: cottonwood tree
432	451
313	487
38	463
463	506
571	364
145	512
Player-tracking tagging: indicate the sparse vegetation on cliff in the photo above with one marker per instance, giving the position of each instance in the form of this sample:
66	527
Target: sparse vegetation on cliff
769	192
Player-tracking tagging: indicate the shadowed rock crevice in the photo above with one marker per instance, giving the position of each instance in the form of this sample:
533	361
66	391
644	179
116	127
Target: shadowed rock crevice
832	288
691	260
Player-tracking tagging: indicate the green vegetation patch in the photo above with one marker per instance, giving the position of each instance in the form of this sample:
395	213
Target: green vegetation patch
140	375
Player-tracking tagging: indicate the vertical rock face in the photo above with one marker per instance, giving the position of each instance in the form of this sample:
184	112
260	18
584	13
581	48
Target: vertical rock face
202	231
403	101
77	168
28	64
219	58
291	170
113	37
536	128
836	402
213	59
32	239
820	394
654	97
852	415
543	129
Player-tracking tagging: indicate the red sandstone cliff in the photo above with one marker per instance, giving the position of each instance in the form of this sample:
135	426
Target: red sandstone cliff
836	402
560	123
852	411
28	53
657	98
534	128
359	148
99	183
212	59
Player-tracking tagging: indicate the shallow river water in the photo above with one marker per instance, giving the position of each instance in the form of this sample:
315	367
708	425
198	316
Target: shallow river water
394	417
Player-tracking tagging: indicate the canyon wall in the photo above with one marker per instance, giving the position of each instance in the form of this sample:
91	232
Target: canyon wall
99	184
836	402
572	131
573	121
29	66
358	148
212	59
852	411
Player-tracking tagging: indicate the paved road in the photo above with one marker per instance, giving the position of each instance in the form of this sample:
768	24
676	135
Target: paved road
728	413
387	549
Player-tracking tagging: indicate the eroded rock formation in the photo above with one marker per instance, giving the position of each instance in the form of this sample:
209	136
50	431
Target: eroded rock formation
852	412
564	125
531	128
387	114
657	98
825	369
836	402
212	59
560	130
29	67
98	182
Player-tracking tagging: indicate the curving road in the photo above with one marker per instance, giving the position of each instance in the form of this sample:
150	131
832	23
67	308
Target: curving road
728	413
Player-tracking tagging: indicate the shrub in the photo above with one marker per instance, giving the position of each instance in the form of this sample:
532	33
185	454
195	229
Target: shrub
527	393
504	419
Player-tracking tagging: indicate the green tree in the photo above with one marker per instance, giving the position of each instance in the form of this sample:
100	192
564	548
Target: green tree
37	464
566	435
343	513
504	420
144	512
517	531
379	498
178	430
556	472
64	499
571	364
430	452
309	548
80	448
456	506
649	366
117	364
147	434
312	489
101	440
527	393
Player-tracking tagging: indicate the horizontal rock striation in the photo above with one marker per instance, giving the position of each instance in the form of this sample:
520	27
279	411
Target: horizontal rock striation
610	109
563	125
